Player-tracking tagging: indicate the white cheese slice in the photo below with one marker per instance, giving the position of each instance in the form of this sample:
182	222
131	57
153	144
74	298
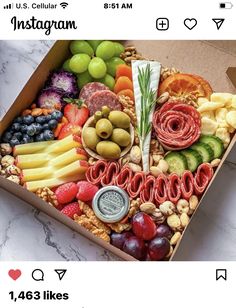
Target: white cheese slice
154	82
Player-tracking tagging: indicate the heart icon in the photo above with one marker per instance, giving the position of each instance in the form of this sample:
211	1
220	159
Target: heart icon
14	274
190	23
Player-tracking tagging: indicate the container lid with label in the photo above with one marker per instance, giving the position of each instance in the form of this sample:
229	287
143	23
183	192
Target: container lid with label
111	204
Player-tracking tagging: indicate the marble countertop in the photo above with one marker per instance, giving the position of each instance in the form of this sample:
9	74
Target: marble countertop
28	235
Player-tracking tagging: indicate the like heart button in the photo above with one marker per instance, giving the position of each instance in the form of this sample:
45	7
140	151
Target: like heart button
14	274
190	23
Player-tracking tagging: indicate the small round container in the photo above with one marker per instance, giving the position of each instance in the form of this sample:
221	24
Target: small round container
111	204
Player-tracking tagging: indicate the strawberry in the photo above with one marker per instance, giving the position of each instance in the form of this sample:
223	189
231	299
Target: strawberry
86	191
66	192
71	209
68	129
75	114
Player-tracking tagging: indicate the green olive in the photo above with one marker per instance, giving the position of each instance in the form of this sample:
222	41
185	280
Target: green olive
90	137
104	128
119	119
105	111
108	150
97	116
121	137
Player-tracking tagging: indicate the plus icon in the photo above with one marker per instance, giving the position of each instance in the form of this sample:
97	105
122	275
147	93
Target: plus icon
162	24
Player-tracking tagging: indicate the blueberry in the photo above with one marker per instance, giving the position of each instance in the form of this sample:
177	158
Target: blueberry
38	127
39	137
45	126
27	139
16	126
41	119
23	128
18	135
48	135
56	115
18	120
31	130
28	119
7	137
10	130
52	124
48	117
14	141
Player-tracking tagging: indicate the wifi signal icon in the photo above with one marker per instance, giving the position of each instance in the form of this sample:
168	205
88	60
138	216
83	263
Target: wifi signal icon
64	5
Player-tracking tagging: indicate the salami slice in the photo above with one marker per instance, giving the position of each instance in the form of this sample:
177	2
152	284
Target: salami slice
177	125
95	173
90	88
202	178
135	186
187	186
147	193
124	177
160	193
173	188
103	98
110	175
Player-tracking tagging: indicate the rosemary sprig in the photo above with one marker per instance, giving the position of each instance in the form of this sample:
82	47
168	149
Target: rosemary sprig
148	100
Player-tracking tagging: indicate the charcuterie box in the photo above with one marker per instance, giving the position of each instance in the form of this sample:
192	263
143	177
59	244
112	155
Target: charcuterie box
207	59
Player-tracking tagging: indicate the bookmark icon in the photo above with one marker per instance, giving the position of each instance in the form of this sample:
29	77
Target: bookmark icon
60	273
218	22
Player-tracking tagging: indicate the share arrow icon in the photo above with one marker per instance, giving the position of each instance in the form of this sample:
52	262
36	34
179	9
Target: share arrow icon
60	273
218	22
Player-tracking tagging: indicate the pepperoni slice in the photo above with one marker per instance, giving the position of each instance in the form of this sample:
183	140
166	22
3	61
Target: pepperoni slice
202	177
135	186
187	186
147	193
177	125
124	177
90	88
173	188
110	175
160	193
95	173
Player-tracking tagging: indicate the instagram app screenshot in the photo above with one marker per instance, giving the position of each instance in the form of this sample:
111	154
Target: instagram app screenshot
117	133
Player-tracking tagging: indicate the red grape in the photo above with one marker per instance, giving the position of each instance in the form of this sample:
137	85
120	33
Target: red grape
118	239
158	248
135	247
143	226
164	231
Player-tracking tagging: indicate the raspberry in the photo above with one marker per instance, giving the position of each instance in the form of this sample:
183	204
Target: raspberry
86	191
71	209
66	192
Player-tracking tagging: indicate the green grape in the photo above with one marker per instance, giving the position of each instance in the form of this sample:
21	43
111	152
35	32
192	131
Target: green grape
83	79
105	50
94	44
119	48
112	64
81	47
97	68
79	63
109	81
66	66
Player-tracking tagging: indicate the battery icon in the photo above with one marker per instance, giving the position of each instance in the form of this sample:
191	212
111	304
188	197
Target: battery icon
225	5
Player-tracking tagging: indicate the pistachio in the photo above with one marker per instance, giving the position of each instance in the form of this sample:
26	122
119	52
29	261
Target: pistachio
135	167
5	149
155	171
148	207
182	206
184	219
193	202
135	154
175	238
163	165
215	162
7	161
167	208
163	98
173	221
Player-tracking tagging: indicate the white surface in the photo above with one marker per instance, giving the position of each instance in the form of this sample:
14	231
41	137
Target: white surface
26	234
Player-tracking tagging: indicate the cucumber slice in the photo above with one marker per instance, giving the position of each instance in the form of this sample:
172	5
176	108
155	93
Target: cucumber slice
177	163
194	159
204	150
215	143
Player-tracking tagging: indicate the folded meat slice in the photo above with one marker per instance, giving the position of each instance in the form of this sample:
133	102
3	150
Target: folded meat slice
160	192
173	188
202	178
147	193
136	185
124	177
111	172
187	185
95	172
